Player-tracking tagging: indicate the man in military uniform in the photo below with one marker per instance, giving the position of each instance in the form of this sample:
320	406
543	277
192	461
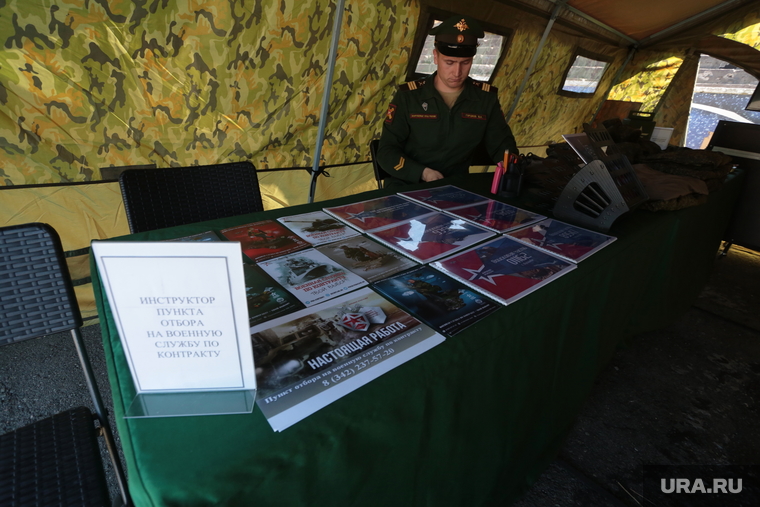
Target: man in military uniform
433	125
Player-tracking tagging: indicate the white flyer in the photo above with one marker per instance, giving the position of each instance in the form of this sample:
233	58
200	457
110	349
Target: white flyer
181	313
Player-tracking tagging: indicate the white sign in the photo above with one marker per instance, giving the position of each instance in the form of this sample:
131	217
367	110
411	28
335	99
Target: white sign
181	313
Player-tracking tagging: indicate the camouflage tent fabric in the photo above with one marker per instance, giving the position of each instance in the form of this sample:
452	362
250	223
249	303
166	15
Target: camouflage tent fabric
86	84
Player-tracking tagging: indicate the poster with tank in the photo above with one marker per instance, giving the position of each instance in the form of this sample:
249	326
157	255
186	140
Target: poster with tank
443	303
311	276
366	258
308	359
318	227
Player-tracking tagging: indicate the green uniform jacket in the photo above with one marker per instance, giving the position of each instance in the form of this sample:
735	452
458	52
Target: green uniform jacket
421	131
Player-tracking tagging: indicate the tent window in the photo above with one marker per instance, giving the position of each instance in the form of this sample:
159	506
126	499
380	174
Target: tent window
583	75
490	53
722	91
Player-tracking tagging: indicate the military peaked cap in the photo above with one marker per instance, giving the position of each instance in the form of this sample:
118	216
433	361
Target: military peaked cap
457	36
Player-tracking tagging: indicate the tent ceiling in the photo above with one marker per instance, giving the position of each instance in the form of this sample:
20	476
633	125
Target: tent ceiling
646	21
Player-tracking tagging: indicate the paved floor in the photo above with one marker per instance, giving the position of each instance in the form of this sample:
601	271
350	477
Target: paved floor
687	394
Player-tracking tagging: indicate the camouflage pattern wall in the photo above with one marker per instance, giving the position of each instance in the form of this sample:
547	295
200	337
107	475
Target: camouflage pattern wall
86	84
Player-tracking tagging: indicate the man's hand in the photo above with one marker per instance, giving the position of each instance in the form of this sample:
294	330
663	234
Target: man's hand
429	174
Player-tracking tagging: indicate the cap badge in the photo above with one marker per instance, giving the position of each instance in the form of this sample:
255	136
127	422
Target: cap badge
460	38
462	25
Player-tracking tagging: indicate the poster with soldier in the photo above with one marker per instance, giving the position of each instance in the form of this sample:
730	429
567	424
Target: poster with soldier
366	258
445	304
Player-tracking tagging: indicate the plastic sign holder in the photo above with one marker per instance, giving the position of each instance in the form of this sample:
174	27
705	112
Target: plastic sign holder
181	313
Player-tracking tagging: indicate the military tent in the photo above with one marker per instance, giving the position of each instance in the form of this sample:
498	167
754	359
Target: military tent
91	84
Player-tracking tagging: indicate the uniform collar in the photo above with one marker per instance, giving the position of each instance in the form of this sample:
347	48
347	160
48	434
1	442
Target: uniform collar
429	90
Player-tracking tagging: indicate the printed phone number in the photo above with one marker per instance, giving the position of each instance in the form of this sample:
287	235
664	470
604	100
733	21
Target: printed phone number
345	373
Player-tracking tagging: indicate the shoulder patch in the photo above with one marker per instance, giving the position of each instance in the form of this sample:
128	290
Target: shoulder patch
412	85
485	86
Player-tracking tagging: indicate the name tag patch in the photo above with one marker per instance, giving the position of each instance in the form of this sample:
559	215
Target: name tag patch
473	116
420	116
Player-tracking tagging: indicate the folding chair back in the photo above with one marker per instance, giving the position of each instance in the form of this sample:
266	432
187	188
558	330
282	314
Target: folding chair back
55	461
166	197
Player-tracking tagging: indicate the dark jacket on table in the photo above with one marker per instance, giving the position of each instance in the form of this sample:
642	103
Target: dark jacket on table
421	131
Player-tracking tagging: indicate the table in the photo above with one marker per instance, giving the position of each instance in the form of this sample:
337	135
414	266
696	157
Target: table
473	421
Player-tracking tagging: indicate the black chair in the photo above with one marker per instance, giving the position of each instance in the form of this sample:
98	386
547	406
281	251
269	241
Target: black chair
54	461
380	175
166	197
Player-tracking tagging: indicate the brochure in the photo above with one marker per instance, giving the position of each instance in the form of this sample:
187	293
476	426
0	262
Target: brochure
265	239
378	213
266	298
564	240
201	236
497	216
366	258
309	359
445	304
432	236
504	268
445	197
311	276
317	227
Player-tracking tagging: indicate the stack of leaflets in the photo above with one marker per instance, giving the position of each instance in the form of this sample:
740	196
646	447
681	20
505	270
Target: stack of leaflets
317	227
266	298
446	305
307	360
445	197
201	236
366	258
378	213
431	236
311	276
265	239
563	240
496	216
504	268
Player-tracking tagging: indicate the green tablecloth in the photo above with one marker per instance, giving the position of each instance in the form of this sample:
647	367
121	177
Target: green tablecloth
473	421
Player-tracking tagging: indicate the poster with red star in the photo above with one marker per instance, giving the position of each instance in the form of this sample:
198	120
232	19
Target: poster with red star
497	216
565	240
378	213
432	236
310	358
504	269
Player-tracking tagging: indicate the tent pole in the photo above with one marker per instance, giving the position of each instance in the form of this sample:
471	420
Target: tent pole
326	98
615	80
560	4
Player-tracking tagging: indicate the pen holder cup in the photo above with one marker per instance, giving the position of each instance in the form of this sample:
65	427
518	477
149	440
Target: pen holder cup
511	184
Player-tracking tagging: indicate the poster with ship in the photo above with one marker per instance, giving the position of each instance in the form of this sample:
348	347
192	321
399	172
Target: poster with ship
265	239
266	298
366	258
432	236
377	213
504	269
311	276
443	303
317	227
445	197
568	241
497	216
307	360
